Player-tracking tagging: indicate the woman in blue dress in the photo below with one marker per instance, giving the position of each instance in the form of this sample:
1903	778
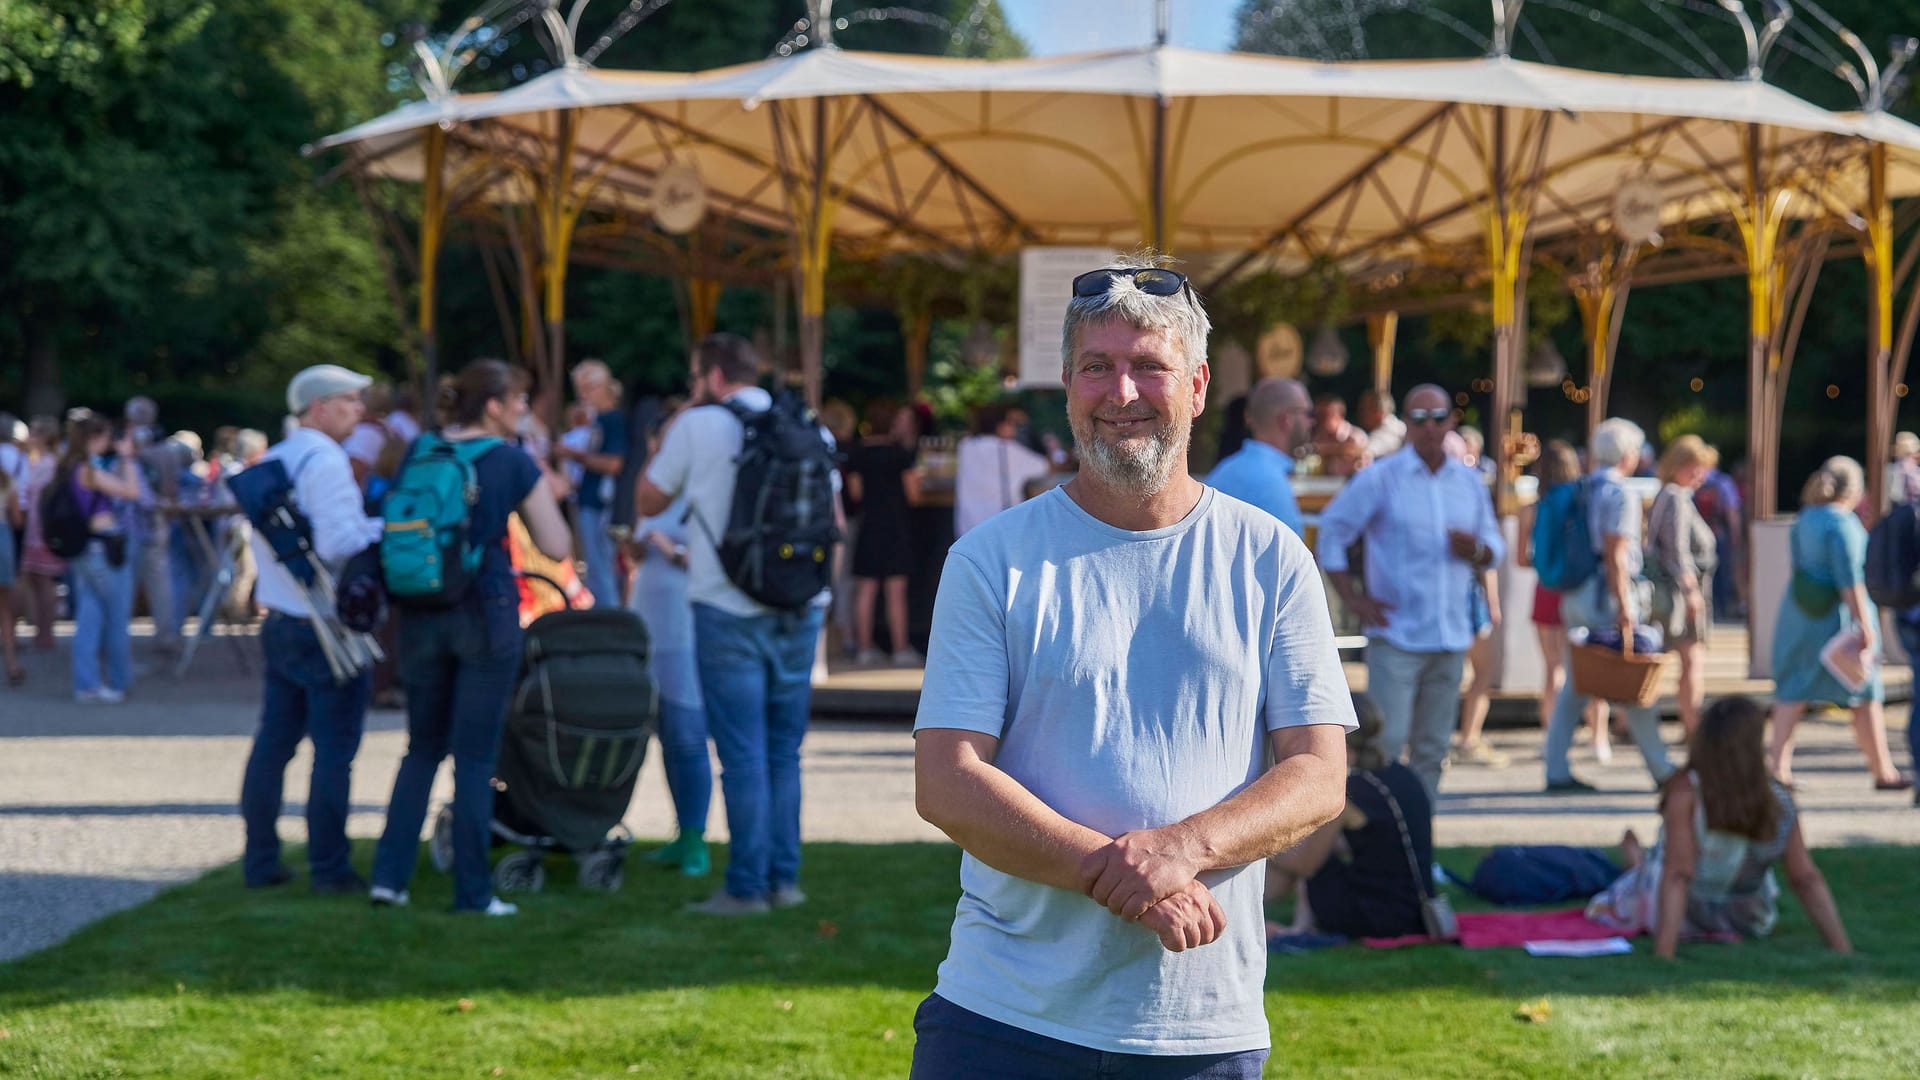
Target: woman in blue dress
1828	594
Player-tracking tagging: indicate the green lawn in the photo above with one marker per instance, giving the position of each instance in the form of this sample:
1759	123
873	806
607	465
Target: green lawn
208	980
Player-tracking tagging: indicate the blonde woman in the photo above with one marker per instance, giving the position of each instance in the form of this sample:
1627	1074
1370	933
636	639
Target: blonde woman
1680	559
1827	595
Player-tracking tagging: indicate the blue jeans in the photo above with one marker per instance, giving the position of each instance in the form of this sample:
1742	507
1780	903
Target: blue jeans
603	567
683	752
102	618
458	667
952	1043
1592	605
1910	640
301	701
757	676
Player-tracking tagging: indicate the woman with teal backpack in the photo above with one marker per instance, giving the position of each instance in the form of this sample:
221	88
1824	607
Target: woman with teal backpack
460	632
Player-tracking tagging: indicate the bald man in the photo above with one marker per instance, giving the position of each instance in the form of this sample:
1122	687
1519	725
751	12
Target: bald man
1279	425
1430	529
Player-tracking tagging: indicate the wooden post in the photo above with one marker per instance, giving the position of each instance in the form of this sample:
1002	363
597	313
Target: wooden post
1382	330
1878	251
433	219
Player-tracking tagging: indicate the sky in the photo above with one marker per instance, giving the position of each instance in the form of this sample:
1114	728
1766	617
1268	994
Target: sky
1061	26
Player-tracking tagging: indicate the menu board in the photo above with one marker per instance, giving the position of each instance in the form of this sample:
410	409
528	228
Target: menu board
1046	284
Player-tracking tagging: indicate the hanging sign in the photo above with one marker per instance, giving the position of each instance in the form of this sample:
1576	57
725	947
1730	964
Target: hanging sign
1280	352
1636	211
679	199
1046	284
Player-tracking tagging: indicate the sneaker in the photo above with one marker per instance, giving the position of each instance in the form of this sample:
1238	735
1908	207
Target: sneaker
1570	786
498	908
670	854
870	658
723	902
349	883
909	658
381	896
786	896
1603	751
102	696
695	861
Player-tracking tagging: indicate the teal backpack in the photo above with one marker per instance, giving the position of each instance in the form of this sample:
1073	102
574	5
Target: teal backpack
426	551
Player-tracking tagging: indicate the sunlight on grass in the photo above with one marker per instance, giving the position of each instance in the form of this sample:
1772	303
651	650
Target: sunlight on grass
209	980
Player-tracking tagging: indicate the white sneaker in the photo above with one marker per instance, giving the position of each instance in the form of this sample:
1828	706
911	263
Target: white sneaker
381	896
102	696
497	906
909	658
110	696
1603	751
786	896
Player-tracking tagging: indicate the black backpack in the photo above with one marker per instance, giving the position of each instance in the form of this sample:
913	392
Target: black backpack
64	524
778	546
1893	558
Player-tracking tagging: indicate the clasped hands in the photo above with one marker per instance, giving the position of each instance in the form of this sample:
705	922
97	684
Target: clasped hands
1147	877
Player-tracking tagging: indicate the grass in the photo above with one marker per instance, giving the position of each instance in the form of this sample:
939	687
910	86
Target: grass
207	980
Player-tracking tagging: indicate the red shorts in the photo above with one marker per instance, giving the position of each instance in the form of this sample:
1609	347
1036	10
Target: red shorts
1546	606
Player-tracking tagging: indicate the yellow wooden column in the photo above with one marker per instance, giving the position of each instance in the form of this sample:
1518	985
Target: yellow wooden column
1878	251
1600	292
916	330
1508	218
1382	329
559	214
1762	223
703	306
433	221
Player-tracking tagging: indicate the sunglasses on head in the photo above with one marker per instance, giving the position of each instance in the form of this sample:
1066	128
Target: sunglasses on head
1148	279
1421	416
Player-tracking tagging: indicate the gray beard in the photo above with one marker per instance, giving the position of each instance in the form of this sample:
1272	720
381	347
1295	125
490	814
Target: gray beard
1143	467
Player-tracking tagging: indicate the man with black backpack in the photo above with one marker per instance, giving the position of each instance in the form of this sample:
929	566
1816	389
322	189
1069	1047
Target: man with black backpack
763	525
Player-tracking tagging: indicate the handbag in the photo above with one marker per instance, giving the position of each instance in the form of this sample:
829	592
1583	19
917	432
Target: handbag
1816	599
1436	911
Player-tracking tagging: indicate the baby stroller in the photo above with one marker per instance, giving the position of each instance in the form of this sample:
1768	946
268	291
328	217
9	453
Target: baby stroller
576	736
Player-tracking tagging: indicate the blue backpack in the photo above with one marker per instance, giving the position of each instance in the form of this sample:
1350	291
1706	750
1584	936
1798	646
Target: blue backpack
426	551
1522	875
1563	554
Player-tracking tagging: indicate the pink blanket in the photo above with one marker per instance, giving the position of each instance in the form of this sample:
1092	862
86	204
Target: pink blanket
1497	929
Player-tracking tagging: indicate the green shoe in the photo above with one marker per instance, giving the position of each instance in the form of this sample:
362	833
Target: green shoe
694	861
671	854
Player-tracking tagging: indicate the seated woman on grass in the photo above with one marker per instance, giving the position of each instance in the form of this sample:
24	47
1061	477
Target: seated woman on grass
1352	876
1725	822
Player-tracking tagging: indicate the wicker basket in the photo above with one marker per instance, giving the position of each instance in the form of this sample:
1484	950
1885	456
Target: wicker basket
1610	675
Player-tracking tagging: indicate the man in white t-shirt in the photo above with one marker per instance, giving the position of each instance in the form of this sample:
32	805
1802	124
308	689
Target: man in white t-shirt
755	663
1111	666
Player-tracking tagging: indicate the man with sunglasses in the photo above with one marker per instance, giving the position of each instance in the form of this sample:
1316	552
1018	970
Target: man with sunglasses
1111	665
1429	528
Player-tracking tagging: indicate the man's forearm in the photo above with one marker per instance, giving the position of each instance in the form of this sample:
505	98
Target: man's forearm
998	821
1268	816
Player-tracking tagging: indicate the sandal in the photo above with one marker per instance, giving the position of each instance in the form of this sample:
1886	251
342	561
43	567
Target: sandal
1900	783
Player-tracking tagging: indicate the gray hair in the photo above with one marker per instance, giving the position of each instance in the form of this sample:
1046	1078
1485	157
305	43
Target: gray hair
1614	441
248	443
1180	316
1836	480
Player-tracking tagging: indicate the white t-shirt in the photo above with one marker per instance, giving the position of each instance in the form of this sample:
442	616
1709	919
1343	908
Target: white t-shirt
697	457
990	474
1132	679
324	490
364	445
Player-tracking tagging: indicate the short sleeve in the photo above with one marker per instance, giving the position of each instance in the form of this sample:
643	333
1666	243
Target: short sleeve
519	473
1305	682
968	680
669	468
1846	544
613	434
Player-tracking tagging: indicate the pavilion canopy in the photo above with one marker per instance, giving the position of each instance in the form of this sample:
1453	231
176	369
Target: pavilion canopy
1260	160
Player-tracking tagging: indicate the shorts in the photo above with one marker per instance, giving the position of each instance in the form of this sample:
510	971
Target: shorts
1546	607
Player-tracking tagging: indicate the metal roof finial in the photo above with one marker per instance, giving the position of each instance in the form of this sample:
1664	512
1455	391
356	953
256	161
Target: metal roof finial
1506	21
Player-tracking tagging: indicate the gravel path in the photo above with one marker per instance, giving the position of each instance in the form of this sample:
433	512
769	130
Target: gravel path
102	807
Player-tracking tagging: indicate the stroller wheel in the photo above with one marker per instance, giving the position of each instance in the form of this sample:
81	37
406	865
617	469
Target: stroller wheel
519	871
440	841
602	870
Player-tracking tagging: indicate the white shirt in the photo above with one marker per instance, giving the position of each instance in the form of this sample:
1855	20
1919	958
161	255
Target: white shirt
366	442
1404	510
403	426
990	475
324	490
697	457
1132	680
1388	438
